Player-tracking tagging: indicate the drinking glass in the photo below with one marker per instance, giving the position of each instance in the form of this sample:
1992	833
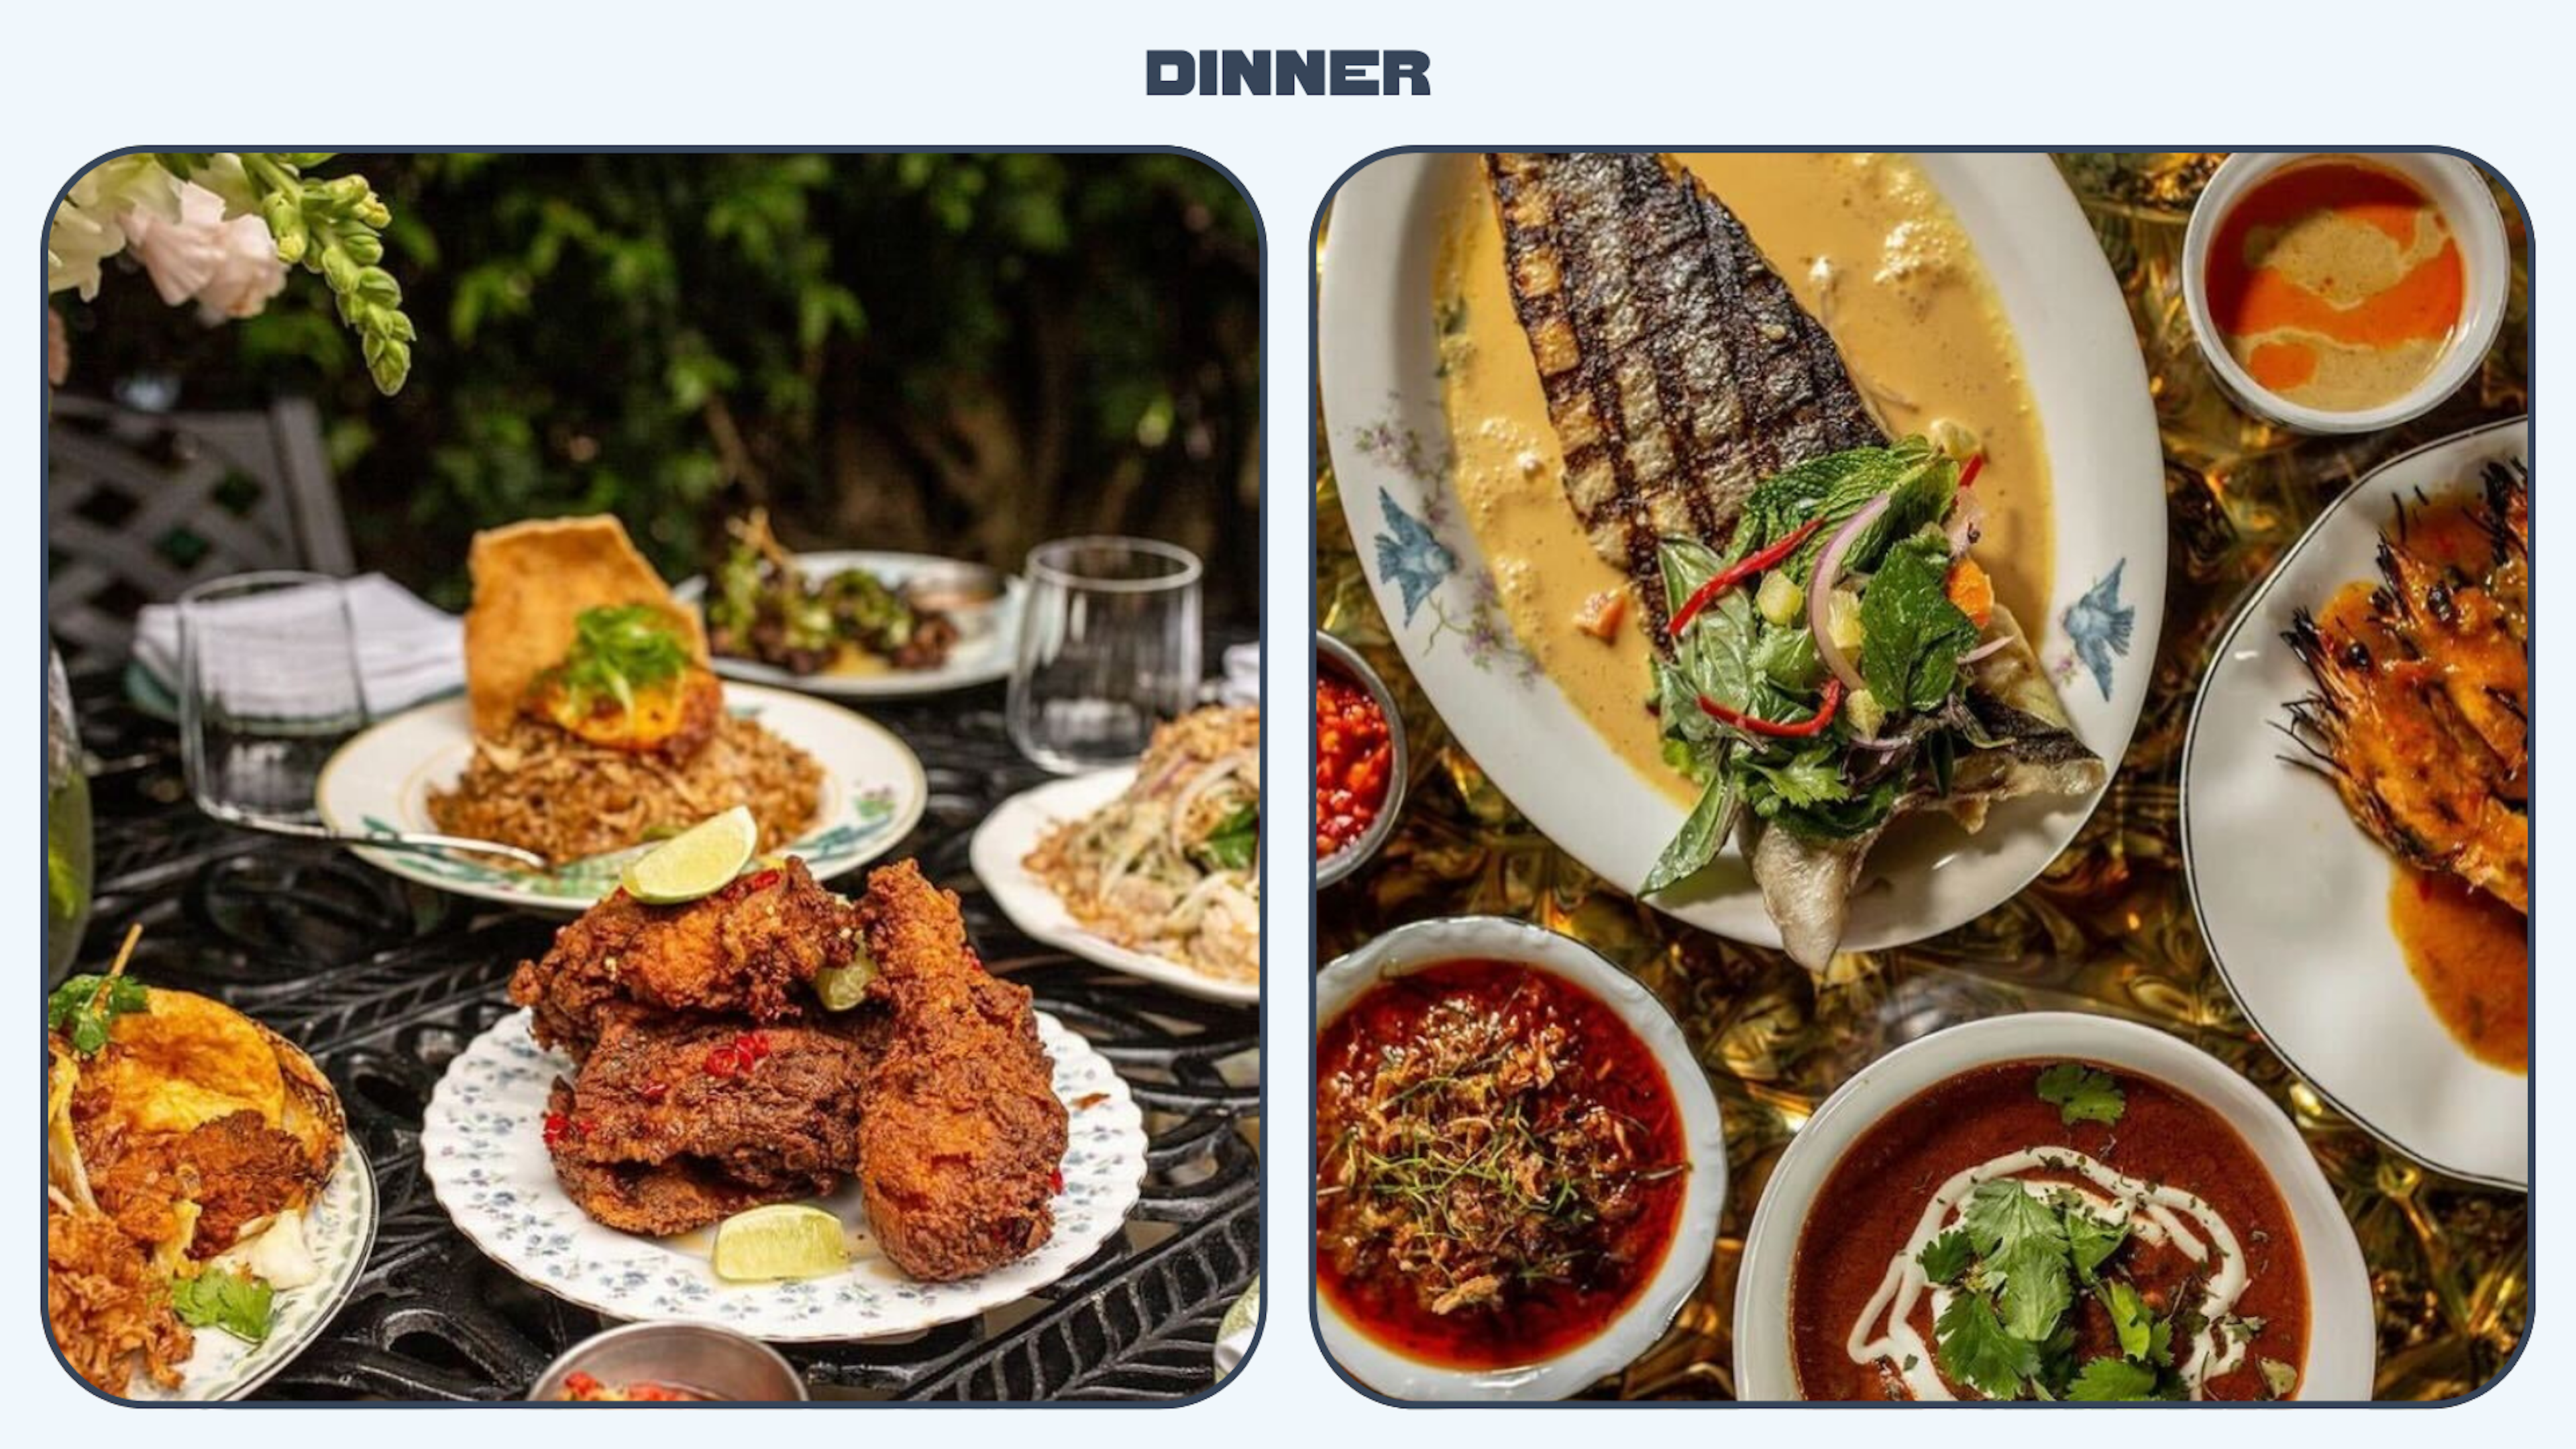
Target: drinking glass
1108	649
268	689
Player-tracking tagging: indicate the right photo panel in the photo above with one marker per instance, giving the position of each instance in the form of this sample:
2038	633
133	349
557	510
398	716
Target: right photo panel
1921	776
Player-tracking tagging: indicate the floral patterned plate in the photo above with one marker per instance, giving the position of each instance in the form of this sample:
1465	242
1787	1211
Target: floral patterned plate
340	1230
483	1145
873	793
1378	366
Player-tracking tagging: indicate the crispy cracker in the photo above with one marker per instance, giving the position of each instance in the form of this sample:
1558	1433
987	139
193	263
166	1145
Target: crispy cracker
531	580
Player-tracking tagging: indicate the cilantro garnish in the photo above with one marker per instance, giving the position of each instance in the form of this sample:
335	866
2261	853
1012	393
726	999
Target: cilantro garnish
81	1011
2112	1380
2092	1241
237	1303
2131	1319
2001	1213
2081	1094
1975	1350
619	650
2279	1379
1945	1259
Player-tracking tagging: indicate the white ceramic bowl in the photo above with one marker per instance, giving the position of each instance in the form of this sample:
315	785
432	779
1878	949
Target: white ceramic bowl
1493	938
2452	185
2341	1336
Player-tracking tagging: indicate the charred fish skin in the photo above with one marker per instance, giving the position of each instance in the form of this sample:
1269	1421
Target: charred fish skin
1679	369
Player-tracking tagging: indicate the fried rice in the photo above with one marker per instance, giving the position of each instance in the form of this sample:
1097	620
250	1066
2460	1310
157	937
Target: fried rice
542	789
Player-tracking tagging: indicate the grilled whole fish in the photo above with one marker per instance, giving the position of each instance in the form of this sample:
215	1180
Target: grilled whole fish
1679	370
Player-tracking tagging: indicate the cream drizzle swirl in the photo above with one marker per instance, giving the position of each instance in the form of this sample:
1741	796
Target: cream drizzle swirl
2153	1212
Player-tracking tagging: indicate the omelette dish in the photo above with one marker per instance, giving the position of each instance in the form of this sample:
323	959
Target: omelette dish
597	723
184	1143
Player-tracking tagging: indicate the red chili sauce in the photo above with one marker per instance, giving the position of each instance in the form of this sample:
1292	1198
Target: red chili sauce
581	1388
1499	1165
1869	1206
1354	753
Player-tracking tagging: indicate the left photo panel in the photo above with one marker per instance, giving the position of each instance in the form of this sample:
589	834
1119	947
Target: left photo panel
653	780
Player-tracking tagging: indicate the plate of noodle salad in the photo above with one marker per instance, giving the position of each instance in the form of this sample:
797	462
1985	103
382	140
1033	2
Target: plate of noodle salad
1152	870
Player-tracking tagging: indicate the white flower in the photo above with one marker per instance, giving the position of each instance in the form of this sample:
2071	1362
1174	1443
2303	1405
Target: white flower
228	267
89	222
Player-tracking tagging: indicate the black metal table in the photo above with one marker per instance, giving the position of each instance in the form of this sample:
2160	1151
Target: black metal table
383	982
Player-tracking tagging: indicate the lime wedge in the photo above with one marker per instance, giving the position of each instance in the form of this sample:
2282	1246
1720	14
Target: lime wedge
843	987
698	861
783	1240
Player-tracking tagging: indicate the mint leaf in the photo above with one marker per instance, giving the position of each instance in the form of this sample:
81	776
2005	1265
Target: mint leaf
237	1303
2091	1241
2000	1214
2112	1380
1946	1257
2131	1320
2081	1094
1975	1350
2036	1291
1912	634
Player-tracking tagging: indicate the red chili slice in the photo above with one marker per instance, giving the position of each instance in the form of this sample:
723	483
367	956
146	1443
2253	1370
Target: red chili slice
1968	474
1743	569
723	1061
554	1128
1807	728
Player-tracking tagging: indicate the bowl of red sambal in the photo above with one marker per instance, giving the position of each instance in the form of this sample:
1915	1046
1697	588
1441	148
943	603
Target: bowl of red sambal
2050	1206
1360	760
1519	1163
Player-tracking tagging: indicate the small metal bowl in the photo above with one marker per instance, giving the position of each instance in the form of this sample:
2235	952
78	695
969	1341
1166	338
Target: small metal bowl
714	1363
1334	656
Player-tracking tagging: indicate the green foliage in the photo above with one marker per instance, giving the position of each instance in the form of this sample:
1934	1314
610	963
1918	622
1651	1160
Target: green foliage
967	353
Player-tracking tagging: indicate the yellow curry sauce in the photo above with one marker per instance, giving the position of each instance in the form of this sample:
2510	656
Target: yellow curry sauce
1868	246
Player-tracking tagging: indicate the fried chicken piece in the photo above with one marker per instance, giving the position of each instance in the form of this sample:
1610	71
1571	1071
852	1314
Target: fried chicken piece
773	1108
960	1132
749	950
104	1304
659	1199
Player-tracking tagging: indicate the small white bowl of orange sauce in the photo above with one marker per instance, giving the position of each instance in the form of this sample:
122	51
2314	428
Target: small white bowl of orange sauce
2344	292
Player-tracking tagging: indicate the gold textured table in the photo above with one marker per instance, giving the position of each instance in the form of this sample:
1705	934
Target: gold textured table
2108	928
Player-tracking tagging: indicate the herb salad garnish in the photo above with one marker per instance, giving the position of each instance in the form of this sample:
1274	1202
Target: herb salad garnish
1817	667
620	650
2020	1266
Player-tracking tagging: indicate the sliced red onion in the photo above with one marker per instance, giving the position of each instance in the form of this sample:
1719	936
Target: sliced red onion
1820	592
1885	746
1965	519
1982	650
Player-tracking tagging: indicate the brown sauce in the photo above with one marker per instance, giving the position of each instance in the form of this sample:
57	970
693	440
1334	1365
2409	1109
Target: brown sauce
2471	955
1590	1226
1868	1209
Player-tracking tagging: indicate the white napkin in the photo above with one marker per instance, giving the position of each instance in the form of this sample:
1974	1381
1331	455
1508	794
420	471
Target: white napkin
407	650
1242	675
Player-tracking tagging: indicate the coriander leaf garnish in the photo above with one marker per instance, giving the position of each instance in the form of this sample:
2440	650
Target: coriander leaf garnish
2000	1213
2035	1292
2091	1241
1946	1258
620	649
2160	1343
2279	1379
2130	1317
2112	1380
2081	1094
81	1010
1975	1350
237	1303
